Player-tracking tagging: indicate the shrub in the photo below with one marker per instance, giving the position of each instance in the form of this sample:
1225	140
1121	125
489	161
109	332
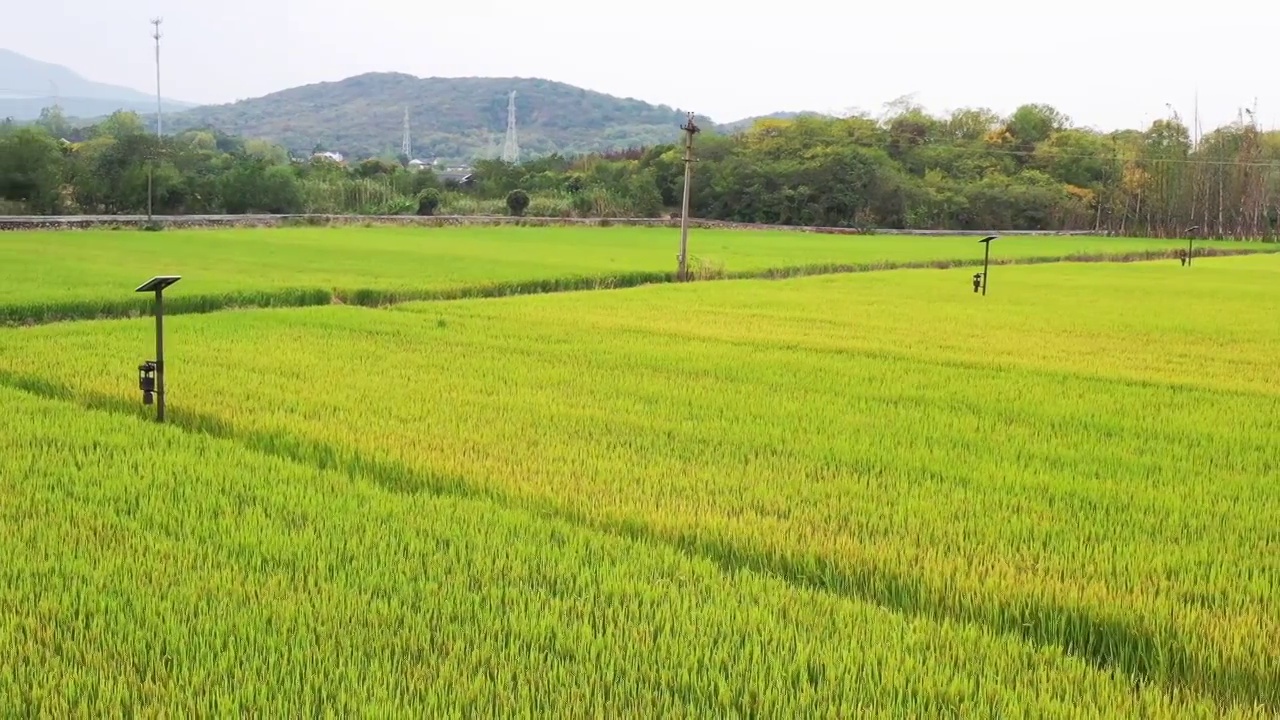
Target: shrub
517	202
428	201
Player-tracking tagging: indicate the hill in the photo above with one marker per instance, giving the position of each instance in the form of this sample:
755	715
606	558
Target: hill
450	118
746	123
27	86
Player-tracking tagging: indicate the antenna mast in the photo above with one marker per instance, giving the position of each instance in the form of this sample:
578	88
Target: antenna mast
406	145
159	121
159	110
511	149
1195	131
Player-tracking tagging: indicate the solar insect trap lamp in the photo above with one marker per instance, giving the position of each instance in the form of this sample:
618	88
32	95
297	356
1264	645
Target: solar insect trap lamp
151	372
1191	238
980	279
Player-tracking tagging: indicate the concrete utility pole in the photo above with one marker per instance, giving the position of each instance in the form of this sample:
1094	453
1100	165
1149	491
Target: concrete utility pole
690	129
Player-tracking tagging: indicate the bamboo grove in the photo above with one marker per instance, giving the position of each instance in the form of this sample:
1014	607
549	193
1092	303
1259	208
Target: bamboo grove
970	170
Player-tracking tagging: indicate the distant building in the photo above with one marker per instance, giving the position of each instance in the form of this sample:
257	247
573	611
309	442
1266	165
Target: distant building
334	156
459	175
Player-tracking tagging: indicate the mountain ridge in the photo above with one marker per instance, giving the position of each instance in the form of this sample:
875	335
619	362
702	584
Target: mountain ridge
450	117
28	85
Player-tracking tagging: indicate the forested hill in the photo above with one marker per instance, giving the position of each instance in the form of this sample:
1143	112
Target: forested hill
745	124
450	118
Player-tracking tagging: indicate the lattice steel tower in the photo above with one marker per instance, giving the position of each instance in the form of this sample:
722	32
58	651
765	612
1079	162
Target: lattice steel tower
406	144
511	150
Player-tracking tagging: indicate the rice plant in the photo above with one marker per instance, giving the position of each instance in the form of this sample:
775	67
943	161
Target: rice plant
1079	468
90	274
154	571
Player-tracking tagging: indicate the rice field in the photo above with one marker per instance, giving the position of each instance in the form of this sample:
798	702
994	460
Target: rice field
91	273
838	496
198	576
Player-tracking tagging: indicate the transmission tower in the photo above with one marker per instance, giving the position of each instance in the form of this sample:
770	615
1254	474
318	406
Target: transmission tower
511	150
406	145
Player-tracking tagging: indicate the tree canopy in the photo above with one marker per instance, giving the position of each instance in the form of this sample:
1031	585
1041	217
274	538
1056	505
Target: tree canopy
969	170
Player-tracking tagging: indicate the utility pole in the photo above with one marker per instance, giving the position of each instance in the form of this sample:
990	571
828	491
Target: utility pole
690	129
159	121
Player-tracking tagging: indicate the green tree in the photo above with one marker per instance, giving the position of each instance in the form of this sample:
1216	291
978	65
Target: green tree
1076	157
1031	125
119	124
52	120
31	168
971	124
253	185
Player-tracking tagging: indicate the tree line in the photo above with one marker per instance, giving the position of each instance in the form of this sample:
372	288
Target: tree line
969	170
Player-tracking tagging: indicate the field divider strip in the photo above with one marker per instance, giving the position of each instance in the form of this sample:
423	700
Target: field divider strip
136	305
36	313
1108	641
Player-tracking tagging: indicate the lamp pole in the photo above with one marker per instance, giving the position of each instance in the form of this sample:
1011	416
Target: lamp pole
986	261
1191	238
159	355
157	285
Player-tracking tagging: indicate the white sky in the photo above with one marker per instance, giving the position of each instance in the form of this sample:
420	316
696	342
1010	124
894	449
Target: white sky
1106	63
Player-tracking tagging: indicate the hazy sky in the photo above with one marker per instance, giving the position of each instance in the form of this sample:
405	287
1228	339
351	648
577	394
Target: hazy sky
1106	63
